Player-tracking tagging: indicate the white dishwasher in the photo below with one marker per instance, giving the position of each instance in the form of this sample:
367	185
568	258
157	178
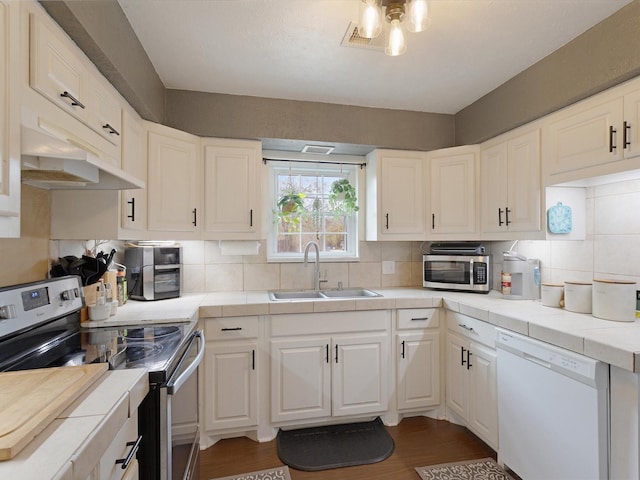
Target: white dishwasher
553	410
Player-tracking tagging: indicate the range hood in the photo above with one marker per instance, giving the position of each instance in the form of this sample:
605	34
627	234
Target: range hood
54	158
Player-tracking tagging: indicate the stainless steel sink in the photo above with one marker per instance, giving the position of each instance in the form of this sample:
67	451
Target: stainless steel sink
322	294
295	295
350	293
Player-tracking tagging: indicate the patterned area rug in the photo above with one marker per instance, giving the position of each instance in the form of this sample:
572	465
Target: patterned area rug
484	469
279	473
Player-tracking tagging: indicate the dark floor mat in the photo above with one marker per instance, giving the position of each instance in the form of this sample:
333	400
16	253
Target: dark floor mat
334	446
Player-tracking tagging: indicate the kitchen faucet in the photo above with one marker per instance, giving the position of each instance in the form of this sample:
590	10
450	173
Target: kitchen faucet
316	272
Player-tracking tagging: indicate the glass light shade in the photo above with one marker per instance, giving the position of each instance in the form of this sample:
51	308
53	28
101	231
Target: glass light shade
418	15
397	44
370	24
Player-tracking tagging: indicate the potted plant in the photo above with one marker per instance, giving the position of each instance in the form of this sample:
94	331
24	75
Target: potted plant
342	197
290	207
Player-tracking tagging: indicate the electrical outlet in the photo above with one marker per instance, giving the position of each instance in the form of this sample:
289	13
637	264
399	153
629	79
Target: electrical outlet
388	267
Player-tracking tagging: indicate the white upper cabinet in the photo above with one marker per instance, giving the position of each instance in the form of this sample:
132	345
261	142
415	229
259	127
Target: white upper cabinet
453	191
9	122
233	189
174	182
105	115
510	186
134	161
595	138
395	195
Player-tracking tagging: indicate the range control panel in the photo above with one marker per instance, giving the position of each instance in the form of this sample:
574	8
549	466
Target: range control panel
30	304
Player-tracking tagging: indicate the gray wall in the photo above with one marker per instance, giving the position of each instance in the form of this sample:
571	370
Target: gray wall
605	55
217	115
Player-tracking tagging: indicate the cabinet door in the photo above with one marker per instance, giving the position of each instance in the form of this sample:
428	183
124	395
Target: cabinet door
418	376
632	124
56	71
584	139
134	161
453	193
174	184
493	166
9	121
523	183
300	379
231	385
232	191
483	405
360	374
401	209
457	376
105	113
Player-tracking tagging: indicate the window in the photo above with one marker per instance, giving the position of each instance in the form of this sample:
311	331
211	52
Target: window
309	216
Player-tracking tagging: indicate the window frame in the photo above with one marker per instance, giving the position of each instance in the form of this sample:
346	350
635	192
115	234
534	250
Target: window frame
299	167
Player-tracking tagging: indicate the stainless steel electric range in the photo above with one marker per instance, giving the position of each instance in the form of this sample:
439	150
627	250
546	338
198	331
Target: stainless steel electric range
40	328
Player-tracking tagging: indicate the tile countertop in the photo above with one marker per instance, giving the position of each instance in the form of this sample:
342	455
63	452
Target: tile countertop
617	343
73	442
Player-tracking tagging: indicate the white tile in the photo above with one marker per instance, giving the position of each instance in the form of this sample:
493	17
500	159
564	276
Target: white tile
192	252
617	254
261	276
369	251
296	276
193	280
401	277
397	251
212	254
365	275
223	277
572	255
617	215
334	273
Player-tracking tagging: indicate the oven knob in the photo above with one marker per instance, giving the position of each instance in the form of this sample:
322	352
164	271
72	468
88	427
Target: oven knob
7	311
66	295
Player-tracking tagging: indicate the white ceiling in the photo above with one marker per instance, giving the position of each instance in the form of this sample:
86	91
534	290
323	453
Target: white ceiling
290	49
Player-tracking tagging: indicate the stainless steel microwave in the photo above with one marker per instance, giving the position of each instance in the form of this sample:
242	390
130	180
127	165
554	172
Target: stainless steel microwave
467	273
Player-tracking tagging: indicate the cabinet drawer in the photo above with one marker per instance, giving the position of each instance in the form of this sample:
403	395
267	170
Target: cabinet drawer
230	328
118	450
472	328
412	318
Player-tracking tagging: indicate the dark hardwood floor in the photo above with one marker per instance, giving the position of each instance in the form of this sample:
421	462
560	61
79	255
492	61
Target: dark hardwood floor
419	441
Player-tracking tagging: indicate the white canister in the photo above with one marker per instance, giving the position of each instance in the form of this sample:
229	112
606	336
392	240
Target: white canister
577	297
614	300
552	294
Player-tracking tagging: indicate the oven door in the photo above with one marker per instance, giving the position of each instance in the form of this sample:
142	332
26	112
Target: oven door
179	436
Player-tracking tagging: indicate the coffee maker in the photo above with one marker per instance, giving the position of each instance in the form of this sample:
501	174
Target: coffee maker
520	277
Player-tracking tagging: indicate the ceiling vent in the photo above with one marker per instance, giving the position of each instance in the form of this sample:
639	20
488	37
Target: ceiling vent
353	39
318	149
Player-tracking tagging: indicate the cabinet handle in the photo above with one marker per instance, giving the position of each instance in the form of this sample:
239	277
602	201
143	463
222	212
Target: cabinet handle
419	319
469	359
74	101
112	131
462	360
327	352
402	354
386	224
251	217
462	325
132	453
626	133
230	329
195	222
132	202
612	130
433	221
336	353
253	359
506	214
500	222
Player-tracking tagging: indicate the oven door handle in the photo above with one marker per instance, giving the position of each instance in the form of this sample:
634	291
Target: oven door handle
174	385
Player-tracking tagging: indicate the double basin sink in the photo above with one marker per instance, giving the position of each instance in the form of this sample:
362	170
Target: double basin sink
322	294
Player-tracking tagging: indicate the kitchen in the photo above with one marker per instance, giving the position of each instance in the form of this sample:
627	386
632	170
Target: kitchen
606	251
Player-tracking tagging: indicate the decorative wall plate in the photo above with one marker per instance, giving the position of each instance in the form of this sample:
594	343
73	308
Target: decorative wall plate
559	219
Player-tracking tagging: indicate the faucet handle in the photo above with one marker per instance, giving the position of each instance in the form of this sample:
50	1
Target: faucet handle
339	285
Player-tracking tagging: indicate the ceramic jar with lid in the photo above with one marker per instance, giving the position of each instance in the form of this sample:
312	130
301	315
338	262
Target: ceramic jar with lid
577	297
614	300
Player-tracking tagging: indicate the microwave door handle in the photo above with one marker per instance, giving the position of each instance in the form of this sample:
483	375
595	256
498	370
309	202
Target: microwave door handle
471	274
174	385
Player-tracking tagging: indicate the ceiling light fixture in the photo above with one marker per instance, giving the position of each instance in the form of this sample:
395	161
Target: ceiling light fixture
410	14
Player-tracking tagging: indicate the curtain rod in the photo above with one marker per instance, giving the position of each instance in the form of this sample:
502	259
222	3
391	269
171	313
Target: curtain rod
332	162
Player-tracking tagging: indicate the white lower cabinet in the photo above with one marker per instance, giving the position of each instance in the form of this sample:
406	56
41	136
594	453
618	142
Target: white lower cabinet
231	376
113	458
320	372
471	383
418	358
